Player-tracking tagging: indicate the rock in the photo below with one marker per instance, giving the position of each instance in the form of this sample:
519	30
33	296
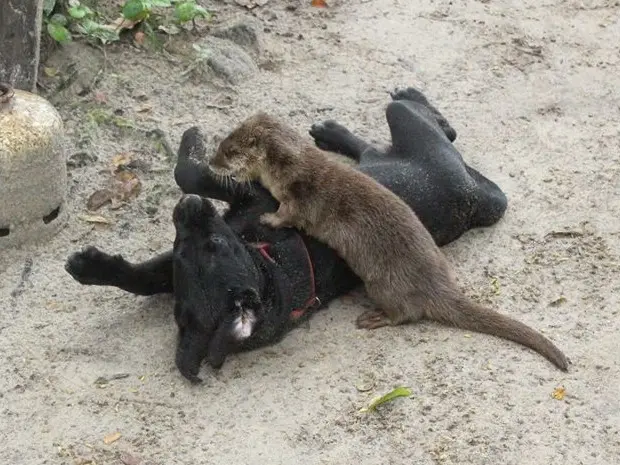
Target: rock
225	59
245	32
249	4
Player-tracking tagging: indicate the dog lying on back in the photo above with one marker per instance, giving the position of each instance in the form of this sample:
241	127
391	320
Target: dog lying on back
370	227
290	273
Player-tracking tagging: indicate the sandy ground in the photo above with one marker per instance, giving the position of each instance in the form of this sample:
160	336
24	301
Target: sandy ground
531	87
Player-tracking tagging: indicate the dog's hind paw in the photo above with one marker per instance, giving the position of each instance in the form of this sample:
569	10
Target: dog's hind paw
409	93
94	267
330	136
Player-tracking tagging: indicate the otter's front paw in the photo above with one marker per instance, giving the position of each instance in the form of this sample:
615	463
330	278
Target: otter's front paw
274	220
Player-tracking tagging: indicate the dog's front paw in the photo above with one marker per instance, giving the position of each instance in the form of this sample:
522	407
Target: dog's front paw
329	135
91	266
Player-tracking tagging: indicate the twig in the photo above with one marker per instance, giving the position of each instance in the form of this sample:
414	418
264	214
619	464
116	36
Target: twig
562	234
19	289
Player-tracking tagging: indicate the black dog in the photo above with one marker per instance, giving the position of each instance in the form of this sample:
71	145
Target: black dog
239	285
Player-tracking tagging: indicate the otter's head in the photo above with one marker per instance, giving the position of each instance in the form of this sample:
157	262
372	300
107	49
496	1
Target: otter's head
243	152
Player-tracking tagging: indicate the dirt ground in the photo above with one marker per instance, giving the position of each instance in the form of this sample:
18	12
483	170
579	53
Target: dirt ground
532	90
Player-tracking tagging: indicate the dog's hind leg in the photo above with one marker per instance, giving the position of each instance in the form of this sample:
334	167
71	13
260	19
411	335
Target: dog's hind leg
334	137
96	268
415	95
193	175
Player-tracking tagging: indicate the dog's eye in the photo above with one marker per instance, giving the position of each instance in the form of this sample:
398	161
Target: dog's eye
214	242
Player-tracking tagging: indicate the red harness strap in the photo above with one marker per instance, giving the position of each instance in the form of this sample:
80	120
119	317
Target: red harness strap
313	301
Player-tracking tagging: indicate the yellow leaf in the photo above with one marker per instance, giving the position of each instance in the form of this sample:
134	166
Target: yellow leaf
110	438
121	159
390	396
558	393
95	219
50	72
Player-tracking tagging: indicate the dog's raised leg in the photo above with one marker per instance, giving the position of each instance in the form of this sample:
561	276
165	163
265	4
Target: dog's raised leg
333	137
96	268
193	175
414	95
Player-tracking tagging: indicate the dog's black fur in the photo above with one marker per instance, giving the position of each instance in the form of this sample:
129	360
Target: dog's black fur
216	274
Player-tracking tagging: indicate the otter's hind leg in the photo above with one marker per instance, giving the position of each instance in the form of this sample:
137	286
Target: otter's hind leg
393	309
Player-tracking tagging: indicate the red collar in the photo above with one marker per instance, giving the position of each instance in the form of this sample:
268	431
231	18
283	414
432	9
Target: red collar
313	301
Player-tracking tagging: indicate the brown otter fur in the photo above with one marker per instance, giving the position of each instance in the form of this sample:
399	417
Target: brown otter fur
375	232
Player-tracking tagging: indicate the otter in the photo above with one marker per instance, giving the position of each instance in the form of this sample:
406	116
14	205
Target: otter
372	229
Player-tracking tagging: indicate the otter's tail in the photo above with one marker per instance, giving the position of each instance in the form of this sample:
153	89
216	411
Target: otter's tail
466	314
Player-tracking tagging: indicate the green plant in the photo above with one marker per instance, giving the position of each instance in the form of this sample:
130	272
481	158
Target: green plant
64	18
187	10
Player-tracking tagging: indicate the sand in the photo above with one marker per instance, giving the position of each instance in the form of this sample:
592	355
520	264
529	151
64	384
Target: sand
531	89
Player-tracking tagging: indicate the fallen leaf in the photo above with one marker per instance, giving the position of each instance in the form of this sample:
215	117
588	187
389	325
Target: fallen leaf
495	285
110	438
367	383
50	72
319	3
139	37
121	159
98	199
560	300
83	461
101	382
95	219
169	29
100	97
121	23
128	185
558	393
390	396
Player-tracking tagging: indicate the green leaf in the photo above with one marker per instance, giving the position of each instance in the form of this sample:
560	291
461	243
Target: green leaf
79	12
98	31
161	3
59	33
136	10
188	10
390	396
58	19
48	7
